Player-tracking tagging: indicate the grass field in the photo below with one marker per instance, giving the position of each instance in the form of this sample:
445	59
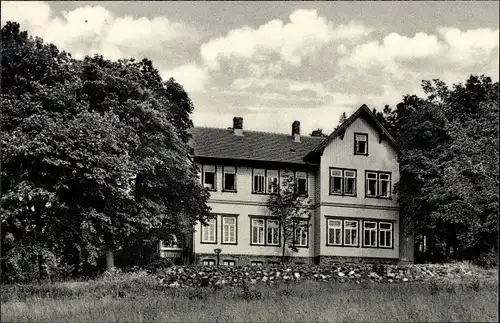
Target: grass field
297	302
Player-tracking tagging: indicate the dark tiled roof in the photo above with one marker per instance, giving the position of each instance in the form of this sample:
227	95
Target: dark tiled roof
253	145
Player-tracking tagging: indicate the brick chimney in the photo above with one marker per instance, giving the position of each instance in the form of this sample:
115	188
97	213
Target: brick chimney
238	126
296	131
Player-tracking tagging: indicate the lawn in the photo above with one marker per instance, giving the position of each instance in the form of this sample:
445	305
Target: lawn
306	301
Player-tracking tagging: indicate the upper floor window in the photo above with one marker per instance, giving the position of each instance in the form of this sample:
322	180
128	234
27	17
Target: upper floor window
209	232
229	178
265	232
334	232
265	181
342	181
209	177
378	184
229	229
360	143
301	183
385	234
301	234
350	233
369	234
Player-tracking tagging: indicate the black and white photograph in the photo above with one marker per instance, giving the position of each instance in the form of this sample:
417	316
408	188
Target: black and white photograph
249	161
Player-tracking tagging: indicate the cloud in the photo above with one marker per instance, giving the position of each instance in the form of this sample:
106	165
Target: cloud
293	42
191	76
93	29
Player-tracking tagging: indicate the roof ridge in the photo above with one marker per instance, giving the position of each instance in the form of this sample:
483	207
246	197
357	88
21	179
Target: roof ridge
257	131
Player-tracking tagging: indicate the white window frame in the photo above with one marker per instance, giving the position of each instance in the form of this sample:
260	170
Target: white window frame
259	173
273	232
372	240
356	141
208	169
351	230
258	235
229	170
301	234
229	263
375	194
272	175
343	181
174	244
334	224
208	262
386	232
228	229
388	181
209	232
298	177
379	179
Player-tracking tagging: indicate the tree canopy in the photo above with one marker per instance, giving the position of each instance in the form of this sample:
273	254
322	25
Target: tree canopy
94	153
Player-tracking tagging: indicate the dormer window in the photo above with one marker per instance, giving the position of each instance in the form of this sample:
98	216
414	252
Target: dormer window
209	178
360	144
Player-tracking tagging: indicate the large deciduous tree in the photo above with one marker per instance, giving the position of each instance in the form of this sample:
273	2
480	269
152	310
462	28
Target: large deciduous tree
94	153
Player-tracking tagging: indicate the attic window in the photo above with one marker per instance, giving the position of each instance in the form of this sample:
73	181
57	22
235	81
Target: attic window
361	144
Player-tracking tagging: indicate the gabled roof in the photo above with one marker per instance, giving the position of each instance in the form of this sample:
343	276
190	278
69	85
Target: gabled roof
252	146
362	111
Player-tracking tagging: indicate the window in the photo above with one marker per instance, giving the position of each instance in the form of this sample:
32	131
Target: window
208	262
301	183
258	231
209	177
369	234
385	234
265	232
342	181
272	232
360	144
378	184
257	263
229	263
371	184
334	232
272	181
173	243
350	232
259	179
229	230
229	178
209	232
301	234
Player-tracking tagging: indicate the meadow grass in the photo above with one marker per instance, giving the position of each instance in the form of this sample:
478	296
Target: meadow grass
305	301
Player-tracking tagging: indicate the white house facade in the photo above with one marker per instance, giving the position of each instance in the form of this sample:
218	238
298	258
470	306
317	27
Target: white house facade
348	177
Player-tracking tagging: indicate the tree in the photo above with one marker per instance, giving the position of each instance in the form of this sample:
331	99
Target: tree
449	168
342	119
94	154
292	210
318	133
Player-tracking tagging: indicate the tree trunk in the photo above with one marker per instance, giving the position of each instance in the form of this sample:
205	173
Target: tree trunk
110	259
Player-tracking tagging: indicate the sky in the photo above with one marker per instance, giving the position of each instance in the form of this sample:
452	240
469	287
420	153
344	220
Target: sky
275	62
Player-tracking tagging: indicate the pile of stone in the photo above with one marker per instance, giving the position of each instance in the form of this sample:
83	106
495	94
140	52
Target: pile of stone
206	276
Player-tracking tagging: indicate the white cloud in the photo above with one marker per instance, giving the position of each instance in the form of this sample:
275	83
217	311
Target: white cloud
93	29
301	38
192	77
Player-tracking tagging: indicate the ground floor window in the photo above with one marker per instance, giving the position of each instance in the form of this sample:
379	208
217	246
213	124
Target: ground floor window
257	263
208	262
372	233
228	262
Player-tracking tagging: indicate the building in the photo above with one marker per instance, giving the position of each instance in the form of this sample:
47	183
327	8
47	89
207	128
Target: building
348	177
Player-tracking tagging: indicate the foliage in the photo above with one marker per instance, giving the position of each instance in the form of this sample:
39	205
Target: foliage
291	209
318	133
448	190
95	155
342	119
